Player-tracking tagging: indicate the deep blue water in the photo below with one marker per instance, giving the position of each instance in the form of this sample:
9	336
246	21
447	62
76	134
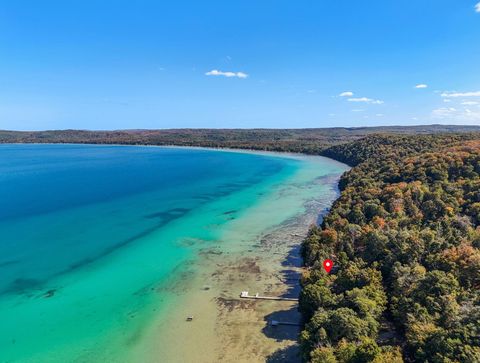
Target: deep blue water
64	206
43	178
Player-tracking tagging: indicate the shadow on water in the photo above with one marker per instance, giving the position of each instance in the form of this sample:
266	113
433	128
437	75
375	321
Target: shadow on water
290	276
289	354
283	332
291	279
293	258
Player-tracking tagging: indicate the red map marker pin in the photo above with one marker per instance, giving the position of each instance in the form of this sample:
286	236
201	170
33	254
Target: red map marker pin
327	265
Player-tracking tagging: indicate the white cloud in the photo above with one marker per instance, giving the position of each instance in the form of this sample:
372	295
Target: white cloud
459	116
460	94
366	100
469	103
216	72
419	86
477	8
443	112
379	115
358	110
346	94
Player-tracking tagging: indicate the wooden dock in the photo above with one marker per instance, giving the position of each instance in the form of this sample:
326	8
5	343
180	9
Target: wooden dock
245	295
277	323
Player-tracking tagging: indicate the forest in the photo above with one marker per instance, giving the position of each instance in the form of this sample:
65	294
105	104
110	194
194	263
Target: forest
405	239
308	141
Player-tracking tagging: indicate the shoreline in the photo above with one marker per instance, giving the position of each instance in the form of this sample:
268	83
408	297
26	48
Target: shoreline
259	244
225	327
285	154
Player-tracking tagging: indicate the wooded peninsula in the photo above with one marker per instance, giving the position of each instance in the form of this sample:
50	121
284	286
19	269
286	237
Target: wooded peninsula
404	236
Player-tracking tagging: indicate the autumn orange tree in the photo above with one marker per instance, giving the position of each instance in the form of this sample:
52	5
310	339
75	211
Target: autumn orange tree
405	235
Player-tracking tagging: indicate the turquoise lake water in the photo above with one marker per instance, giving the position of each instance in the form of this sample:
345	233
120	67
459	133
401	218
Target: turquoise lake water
89	235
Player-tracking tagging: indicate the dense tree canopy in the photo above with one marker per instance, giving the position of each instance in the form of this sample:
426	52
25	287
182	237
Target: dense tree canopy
309	141
405	237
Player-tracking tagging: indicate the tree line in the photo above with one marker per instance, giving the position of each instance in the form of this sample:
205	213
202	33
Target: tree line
308	141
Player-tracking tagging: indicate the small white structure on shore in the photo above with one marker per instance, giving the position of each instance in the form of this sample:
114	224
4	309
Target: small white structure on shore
244	294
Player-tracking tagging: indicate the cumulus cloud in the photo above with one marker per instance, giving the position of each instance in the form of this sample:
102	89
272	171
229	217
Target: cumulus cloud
346	94
216	72
443	112
421	85
460	94
457	115
366	100
477	8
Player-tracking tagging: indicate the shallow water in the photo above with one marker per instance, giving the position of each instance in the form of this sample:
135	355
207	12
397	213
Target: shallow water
98	243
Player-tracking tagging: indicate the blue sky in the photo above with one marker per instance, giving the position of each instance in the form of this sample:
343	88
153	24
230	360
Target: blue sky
239	63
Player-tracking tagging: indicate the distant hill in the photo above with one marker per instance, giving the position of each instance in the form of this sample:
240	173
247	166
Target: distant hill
295	140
